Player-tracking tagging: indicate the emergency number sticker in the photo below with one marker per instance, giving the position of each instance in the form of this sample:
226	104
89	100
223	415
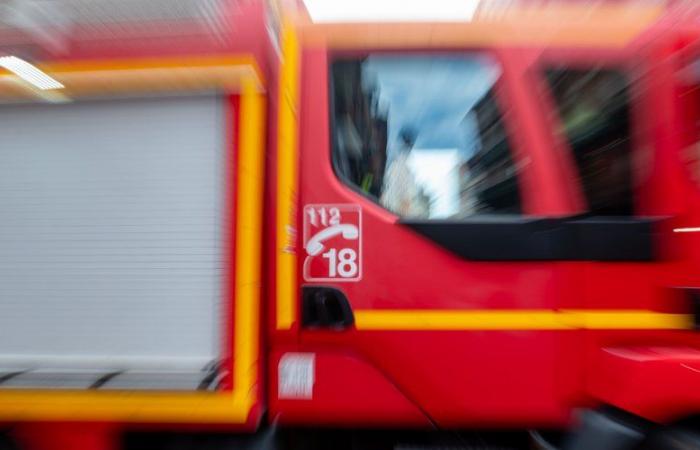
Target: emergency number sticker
333	242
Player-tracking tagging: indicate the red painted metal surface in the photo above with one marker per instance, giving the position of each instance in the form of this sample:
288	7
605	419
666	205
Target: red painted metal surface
347	390
660	383
66	436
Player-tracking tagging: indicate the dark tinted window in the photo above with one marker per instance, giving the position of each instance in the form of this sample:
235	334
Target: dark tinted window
593	108
423	134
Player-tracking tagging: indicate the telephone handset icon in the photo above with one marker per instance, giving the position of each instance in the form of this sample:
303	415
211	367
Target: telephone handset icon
315	244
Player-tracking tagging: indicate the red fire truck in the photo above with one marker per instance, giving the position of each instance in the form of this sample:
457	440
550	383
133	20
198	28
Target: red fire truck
232	223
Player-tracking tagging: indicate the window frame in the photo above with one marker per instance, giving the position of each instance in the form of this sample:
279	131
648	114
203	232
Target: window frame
499	91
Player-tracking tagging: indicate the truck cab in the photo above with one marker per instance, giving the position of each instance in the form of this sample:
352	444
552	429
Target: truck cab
492	228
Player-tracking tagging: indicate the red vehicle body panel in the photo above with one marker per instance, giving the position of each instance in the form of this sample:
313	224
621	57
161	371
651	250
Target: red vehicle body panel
458	378
348	390
667	377
515	378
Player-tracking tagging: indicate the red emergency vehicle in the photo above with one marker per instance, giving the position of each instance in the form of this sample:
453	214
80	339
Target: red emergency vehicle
233	224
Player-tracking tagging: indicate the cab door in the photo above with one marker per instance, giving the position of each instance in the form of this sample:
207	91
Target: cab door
682	158
427	244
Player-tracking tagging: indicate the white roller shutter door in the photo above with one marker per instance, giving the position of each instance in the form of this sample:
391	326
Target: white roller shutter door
111	238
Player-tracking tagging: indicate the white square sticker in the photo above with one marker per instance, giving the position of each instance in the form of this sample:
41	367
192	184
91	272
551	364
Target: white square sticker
296	376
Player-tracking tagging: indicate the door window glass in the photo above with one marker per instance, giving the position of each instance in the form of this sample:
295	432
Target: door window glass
593	109
423	135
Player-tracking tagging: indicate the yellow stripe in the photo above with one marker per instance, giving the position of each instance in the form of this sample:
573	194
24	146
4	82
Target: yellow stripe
134	75
518	320
38	405
287	180
92	65
249	240
627	319
187	407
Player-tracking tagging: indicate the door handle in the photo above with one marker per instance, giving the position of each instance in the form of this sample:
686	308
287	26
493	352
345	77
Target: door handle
325	307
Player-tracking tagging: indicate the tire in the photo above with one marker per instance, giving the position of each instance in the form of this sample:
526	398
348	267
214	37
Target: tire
6	442
545	440
673	438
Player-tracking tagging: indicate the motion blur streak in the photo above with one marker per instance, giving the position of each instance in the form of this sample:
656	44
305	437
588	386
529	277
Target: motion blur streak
391	10
29	73
405	219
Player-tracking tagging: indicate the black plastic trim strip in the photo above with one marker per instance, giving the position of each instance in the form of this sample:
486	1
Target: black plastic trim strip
506	238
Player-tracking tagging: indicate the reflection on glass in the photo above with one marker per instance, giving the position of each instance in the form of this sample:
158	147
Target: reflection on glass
593	107
423	134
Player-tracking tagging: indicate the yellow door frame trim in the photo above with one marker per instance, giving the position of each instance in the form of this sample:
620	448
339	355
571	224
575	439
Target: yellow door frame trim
287	180
232	407
114	77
